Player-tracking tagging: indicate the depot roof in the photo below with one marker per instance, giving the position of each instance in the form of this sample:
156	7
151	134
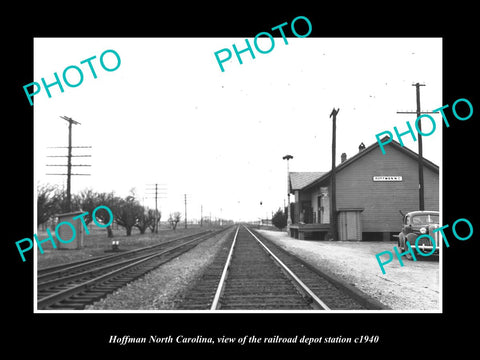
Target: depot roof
304	180
299	180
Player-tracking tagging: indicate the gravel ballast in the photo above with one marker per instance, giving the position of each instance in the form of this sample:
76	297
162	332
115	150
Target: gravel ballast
415	286
159	289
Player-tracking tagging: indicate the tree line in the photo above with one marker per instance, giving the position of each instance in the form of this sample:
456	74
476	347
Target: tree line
127	211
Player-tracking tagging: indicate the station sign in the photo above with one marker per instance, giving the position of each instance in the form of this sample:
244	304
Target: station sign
387	178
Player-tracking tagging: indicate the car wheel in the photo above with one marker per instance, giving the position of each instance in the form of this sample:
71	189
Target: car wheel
407	255
401	240
411	238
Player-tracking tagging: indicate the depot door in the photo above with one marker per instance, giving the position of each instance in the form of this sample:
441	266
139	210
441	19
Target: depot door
324	209
349	225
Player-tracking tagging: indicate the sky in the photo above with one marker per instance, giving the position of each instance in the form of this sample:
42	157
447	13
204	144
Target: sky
169	115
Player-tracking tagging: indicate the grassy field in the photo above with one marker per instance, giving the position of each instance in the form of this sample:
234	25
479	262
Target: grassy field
97	243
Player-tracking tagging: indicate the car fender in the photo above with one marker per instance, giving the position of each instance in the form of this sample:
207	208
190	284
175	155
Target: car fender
411	239
401	240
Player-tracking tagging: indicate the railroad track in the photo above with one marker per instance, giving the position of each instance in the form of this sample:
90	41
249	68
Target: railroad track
63	270
75	285
251	273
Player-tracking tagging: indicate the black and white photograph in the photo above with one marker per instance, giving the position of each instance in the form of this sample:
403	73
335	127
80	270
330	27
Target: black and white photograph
199	221
279	183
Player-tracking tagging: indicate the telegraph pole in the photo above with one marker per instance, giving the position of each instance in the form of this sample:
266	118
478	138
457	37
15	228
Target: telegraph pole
421	193
185	211
157	196
289	217
333	212
69	160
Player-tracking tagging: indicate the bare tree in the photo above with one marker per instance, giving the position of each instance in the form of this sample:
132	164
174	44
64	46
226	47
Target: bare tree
174	219
152	219
87	200
144	221
127	212
48	197
108	200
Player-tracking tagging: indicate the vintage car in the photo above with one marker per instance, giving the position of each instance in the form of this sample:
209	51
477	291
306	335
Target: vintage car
416	223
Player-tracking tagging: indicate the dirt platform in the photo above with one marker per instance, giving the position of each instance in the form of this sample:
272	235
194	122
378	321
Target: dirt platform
415	286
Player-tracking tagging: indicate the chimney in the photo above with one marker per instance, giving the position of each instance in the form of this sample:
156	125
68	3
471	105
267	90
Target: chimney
343	157
361	147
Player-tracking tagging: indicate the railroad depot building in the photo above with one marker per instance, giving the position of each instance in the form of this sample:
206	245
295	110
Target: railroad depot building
371	190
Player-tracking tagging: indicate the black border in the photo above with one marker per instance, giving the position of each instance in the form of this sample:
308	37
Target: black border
63	334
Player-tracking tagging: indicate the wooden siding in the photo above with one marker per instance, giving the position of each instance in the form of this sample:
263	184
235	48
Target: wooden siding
382	200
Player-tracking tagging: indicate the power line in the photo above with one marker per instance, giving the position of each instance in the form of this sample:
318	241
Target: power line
185	211
289	217
185	197
421	193
333	212
69	161
55	156
67	174
66	147
157	193
66	165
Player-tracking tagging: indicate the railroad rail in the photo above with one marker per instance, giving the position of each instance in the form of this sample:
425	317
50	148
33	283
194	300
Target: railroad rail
75	285
251	273
63	270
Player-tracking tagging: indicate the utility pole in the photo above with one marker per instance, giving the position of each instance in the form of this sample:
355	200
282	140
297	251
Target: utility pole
333	212
69	160
201	215
185	211
155	225
158	192
289	217
421	193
